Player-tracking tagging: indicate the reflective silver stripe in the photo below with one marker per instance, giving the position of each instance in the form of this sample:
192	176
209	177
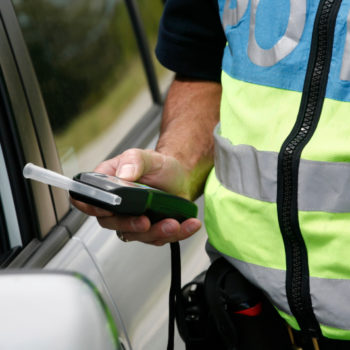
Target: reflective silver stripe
330	311
345	68
230	16
323	186
286	44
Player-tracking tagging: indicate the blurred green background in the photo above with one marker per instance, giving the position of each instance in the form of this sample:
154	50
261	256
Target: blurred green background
86	58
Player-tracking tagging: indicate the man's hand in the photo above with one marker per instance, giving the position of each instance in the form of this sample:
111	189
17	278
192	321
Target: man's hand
156	170
180	165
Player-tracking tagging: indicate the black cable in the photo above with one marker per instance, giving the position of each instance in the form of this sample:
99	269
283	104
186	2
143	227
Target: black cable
175	289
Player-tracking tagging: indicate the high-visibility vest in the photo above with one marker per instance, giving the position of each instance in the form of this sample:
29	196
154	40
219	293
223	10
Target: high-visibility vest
278	199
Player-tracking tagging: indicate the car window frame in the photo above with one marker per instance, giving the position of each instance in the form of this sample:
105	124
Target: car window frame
36	107
144	50
9	221
33	201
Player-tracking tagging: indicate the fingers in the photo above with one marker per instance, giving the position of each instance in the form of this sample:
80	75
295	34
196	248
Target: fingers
90	209
140	229
132	164
125	223
156	170
149	167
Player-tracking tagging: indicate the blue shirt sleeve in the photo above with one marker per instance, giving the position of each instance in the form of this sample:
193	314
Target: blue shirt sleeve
191	39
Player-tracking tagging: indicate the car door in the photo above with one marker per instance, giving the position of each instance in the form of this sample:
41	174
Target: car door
78	85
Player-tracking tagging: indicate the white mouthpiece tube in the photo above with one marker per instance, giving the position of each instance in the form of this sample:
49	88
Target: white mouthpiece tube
34	172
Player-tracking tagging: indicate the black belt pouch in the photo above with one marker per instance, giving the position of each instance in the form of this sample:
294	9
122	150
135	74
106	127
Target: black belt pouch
221	309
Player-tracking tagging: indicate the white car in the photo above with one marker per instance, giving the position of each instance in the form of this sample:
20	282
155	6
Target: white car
78	85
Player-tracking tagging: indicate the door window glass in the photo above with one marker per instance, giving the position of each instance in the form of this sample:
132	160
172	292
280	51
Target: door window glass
86	59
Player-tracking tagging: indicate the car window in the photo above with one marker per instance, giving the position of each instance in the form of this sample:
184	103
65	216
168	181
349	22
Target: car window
87	62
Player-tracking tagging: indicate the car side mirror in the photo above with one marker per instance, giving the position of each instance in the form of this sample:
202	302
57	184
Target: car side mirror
48	310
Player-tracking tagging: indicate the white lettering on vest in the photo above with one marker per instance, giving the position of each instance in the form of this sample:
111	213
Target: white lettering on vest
345	68
232	16
286	44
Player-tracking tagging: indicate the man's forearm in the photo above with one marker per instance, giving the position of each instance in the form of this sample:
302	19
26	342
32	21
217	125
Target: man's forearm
190	114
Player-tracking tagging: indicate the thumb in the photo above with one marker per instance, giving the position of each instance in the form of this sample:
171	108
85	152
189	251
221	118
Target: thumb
136	163
127	172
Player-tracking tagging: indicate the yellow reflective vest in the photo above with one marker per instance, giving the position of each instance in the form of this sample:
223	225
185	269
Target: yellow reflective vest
278	199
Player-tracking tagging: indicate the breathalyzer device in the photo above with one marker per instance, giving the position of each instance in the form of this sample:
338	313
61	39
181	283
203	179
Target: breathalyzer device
117	195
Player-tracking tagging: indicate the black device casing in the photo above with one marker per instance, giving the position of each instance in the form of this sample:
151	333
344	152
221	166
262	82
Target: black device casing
137	199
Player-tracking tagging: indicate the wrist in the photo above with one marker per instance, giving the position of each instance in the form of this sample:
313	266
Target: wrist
191	172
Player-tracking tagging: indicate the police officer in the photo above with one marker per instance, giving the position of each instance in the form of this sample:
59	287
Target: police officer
277	76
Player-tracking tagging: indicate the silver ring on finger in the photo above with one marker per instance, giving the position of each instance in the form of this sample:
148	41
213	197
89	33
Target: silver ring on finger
121	236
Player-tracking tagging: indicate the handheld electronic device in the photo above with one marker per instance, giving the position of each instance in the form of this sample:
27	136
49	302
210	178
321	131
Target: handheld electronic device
117	195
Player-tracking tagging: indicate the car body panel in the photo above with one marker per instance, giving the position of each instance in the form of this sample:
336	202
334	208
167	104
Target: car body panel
140	298
56	311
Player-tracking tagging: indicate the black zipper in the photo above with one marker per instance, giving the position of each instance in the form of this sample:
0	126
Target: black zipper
297	276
